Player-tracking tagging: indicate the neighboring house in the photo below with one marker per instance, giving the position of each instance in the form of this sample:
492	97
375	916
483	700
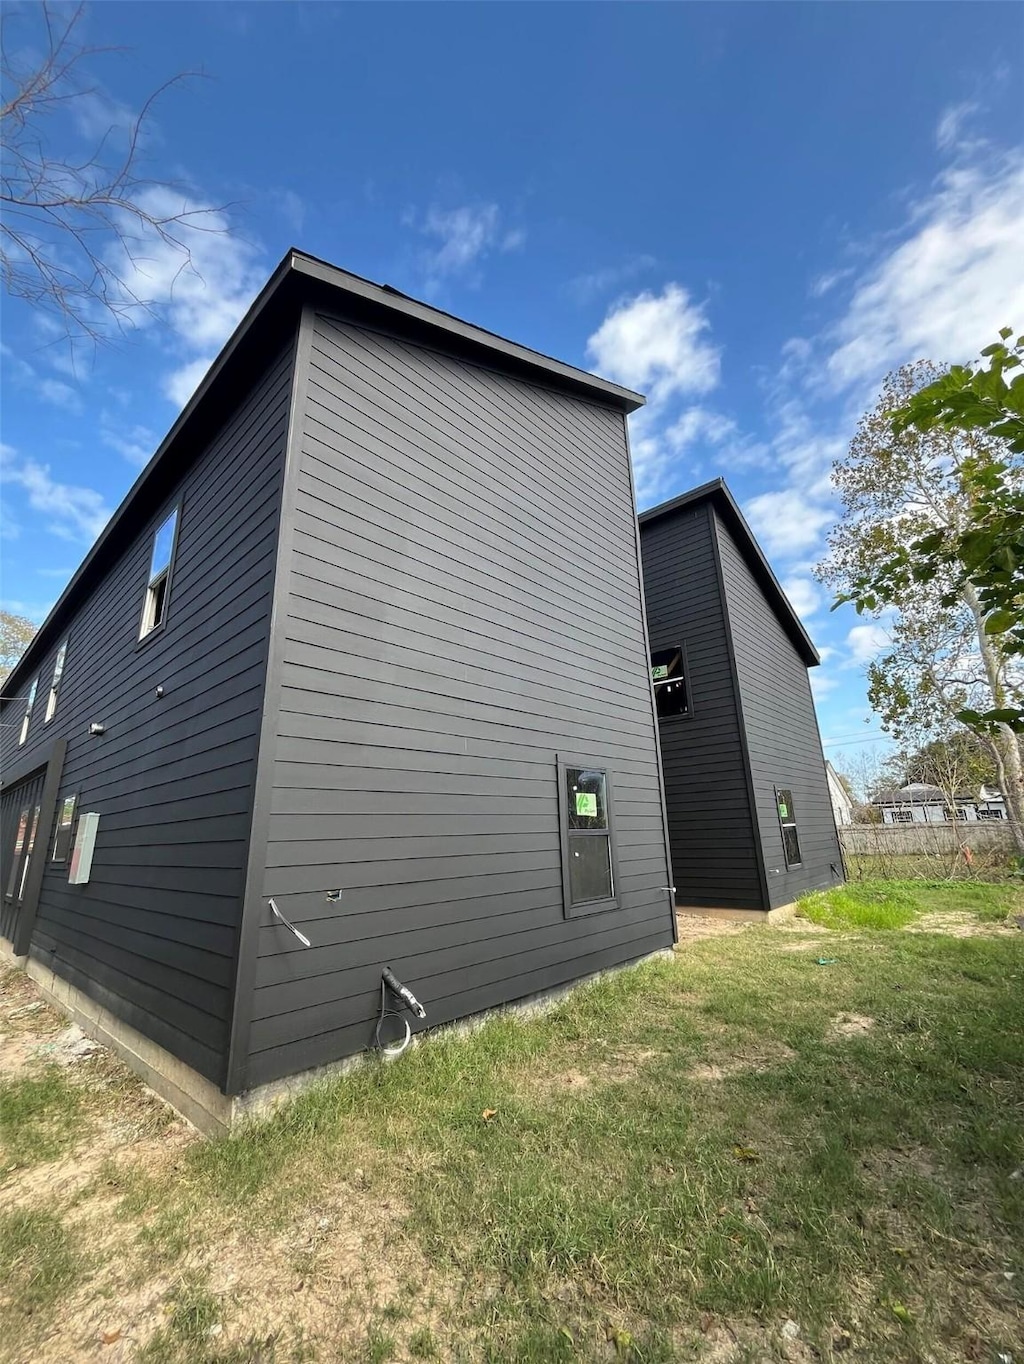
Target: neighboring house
842	805
750	818
363	652
919	803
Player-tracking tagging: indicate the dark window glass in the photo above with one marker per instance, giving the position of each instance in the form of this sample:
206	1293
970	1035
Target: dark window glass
586	799
65	823
668	673
787	820
590	868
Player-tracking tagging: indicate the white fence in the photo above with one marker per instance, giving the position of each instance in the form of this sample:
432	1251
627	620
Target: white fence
940	850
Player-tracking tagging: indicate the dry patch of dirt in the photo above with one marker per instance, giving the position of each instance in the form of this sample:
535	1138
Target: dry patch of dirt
960	924
756	1063
614	1066
694	927
850	1025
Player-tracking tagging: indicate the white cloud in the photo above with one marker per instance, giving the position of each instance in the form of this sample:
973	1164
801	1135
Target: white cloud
179	385
803	594
786	521
949	132
821	683
60	394
202	297
945	291
657	343
514	240
74	512
136	443
866	642
699	424
586	287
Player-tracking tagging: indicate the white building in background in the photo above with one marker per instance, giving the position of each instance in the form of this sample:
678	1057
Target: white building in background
920	803
842	805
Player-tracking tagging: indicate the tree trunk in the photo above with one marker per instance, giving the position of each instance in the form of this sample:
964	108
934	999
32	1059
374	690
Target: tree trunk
1011	771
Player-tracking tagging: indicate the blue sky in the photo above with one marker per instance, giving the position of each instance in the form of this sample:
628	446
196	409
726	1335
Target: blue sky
750	212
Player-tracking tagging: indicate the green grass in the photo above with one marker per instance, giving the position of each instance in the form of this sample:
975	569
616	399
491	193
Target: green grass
40	1117
39	1264
895	904
699	1140
817	1177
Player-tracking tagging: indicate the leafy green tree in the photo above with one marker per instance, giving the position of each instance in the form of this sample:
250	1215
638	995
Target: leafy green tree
925	540
16	634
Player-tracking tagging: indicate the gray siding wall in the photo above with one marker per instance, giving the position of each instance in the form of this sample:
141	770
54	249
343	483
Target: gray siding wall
464	604
153	935
782	734
714	854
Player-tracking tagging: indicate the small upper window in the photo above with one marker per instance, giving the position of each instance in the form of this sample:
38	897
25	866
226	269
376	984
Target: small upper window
588	859
668	673
787	820
30	701
154	609
65	822
58	669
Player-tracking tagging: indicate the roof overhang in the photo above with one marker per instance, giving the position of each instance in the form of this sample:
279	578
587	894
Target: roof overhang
717	494
299	279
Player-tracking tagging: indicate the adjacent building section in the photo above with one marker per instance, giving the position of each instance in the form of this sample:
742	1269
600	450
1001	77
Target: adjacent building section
750	816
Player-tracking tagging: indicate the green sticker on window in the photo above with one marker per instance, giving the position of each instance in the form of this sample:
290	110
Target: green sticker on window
586	804
660	672
783	809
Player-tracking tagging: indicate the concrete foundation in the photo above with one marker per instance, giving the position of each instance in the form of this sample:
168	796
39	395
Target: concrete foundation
750	916
201	1102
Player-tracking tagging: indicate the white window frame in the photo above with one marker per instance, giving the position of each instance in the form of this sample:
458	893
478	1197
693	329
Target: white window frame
29	703
58	670
159	578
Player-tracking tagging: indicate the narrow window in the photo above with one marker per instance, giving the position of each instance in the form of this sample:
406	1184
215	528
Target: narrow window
19	848
30	702
671	691
588	854
154	609
787	820
58	669
29	848
65	823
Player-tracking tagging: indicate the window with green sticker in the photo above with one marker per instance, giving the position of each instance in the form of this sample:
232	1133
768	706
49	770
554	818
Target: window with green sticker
587	841
787	824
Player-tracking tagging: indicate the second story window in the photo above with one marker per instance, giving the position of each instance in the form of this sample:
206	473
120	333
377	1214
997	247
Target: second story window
30	701
671	691
154	610
58	669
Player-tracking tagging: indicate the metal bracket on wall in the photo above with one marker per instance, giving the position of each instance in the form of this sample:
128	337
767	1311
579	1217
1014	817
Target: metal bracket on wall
289	925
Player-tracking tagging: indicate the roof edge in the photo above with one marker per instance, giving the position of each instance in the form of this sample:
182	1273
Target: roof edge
385	296
717	491
296	266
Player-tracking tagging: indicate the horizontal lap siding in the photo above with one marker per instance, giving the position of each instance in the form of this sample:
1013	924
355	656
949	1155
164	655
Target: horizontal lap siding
463	605
714	855
782	734
153	934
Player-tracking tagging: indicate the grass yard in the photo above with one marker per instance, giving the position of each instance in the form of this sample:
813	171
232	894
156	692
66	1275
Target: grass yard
791	1143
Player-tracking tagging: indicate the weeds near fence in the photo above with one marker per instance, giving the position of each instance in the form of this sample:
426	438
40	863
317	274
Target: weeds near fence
928	852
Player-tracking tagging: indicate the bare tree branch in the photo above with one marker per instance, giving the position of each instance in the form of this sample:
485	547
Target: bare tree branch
74	231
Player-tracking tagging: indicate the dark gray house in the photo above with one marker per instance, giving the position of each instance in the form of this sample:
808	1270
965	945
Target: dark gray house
750	818
360	662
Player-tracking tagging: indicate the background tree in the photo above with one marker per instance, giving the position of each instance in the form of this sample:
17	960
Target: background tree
901	485
16	633
74	227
